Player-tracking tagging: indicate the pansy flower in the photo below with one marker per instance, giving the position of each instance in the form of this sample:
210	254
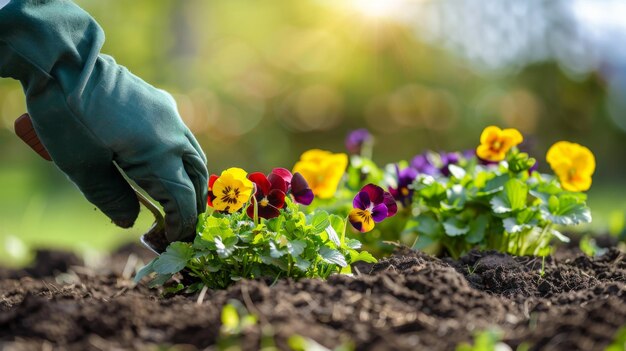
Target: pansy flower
403	193
356	139
423	165
447	159
322	170
371	205
230	191
496	142
574	164
297	186
269	195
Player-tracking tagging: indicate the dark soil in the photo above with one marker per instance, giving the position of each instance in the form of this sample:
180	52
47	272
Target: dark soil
410	301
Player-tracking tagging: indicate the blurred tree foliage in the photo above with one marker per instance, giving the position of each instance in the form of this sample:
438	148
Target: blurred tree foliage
260	82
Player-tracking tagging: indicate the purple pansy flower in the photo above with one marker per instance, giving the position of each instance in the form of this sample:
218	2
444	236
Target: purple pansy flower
447	159
402	192
296	185
422	164
371	205
356	139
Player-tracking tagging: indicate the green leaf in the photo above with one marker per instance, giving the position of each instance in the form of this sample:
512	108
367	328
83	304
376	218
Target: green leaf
159	280
433	194
320	221
353	244
296	247
456	171
454	227
363	256
562	237
495	184
512	226
174	259
275	251
332	236
332	256
566	209
513	198
280	263
517	193
302	264
145	270
423	242
225	248
477	229
428	226
337	223
455	198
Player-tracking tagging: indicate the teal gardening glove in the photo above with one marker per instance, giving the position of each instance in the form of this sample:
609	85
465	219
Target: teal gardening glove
89	111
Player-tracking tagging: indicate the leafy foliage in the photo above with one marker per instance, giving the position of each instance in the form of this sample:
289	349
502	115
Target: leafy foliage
231	247
499	206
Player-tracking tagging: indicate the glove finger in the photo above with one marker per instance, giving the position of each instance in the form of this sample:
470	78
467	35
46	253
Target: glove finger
166	181
196	146
197	172
105	187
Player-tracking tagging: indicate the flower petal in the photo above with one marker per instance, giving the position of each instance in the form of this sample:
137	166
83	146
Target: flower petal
512	136
268	212
379	212
361	200
376	193
300	190
276	198
210	195
490	134
361	220
263	185
283	173
390	202
276	182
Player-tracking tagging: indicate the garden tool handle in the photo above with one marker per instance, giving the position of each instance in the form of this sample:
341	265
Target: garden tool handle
25	130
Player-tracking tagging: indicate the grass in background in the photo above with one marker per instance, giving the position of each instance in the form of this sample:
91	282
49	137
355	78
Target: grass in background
32	217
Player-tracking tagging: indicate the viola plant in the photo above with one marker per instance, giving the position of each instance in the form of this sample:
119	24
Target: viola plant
371	205
506	205
255	228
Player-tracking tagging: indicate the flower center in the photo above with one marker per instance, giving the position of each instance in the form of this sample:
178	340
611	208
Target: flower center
497	145
264	202
404	191
365	215
230	195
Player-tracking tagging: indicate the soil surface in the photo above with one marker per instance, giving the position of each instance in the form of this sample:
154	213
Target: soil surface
410	301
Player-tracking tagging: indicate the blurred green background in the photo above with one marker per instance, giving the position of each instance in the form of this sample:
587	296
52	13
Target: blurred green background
260	82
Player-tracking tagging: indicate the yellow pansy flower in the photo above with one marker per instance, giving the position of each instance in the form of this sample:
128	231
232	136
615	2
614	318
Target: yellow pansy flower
496	142
322	170
574	164
231	190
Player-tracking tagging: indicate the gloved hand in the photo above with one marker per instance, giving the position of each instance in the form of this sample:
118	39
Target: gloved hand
89	111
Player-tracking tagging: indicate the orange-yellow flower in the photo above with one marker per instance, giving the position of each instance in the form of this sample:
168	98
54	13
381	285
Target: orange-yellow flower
496	142
322	170
574	164
230	191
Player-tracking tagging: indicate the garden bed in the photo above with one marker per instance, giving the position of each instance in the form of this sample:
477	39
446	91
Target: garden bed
410	301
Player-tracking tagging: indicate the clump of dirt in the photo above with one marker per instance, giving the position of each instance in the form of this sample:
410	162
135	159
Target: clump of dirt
410	301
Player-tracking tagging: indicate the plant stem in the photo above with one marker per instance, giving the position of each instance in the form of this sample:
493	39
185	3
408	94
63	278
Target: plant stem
343	233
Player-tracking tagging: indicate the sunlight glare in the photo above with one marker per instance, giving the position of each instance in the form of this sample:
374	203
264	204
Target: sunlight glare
378	8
